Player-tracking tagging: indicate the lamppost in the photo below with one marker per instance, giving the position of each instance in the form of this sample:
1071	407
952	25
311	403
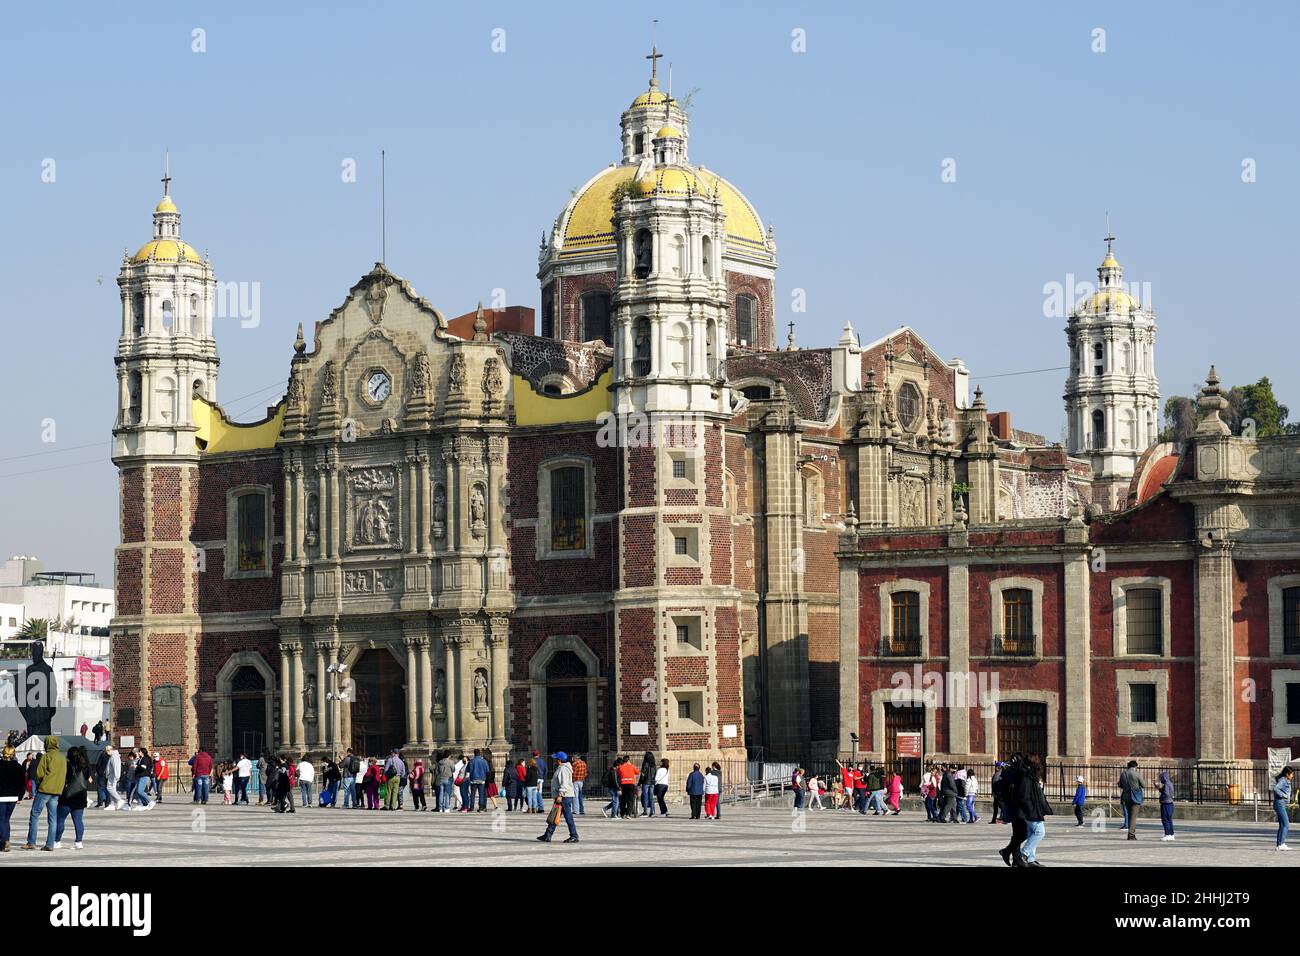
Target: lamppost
340	692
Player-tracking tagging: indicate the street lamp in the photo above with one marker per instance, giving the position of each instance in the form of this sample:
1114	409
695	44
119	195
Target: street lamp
338	693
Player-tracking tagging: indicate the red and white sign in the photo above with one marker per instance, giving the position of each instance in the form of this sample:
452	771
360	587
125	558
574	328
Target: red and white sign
908	745
87	675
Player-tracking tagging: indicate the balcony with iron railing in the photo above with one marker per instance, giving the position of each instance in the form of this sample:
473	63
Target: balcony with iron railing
900	646
1021	645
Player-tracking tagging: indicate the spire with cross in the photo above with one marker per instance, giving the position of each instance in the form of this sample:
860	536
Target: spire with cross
654	56
167	171
1110	236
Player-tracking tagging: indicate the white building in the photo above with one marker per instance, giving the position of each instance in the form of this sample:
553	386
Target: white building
74	598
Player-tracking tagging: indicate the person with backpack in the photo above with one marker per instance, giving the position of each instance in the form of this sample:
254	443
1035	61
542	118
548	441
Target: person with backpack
50	773
72	803
1034	808
394	772
959	780
796	784
1011	797
628	776
1131	795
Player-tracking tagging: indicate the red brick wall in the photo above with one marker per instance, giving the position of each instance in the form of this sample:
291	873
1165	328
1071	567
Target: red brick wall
641	476
167	664
527	634
980	620
572	288
132	505
636	665
1254	698
726	637
213	651
168	511
764	321
639	556
128	581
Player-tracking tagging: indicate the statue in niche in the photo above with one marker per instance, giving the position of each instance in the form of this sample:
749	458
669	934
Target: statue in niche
309	698
439	511
644	254
478	511
456	375
375	298
313	518
480	689
440	693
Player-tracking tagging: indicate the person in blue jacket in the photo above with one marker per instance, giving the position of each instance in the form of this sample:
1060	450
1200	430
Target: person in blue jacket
1080	798
695	791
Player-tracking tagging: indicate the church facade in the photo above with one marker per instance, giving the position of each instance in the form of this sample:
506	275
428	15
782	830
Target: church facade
644	525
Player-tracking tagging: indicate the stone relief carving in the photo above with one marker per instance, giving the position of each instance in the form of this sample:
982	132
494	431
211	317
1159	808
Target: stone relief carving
911	502
457	376
492	383
421	376
367	581
297	396
329	388
376	296
373	496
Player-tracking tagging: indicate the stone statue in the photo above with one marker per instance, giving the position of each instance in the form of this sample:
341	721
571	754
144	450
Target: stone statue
644	255
477	505
421	376
309	697
329	384
297	396
480	690
40	693
439	511
376	295
440	693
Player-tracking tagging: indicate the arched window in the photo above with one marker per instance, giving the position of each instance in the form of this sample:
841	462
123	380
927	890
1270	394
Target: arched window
166	398
133	398
594	308
1098	357
1098	429
641	348
905	623
813	496
548	317
1130	428
706	256
196	320
710	354
167	315
137	313
565	665
909	406
746	312
679	350
197	389
639	143
679	256
757	393
643	249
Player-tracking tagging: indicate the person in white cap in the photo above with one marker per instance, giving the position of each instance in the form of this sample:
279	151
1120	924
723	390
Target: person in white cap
1080	797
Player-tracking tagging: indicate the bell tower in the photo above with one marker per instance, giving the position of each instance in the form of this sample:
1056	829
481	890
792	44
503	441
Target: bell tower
166	355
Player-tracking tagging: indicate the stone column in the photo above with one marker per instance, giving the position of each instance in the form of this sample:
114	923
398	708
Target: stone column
322	711
850	652
1215	678
498	633
959	711
449	671
286	696
412	693
299	731
425	665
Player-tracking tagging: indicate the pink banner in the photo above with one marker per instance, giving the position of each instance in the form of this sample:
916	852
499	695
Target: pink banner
90	676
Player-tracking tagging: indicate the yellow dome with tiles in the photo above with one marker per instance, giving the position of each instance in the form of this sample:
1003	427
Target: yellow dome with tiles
167	250
668	132
166	205
651	97
586	226
1109	300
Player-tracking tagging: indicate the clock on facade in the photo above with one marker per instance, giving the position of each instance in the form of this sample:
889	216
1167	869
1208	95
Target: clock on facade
378	387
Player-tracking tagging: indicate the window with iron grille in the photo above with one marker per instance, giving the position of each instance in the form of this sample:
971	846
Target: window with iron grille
746	307
679	468
905	629
1142	703
1142	620
568	509
684	709
1017	621
594	307
1291	621
1293	703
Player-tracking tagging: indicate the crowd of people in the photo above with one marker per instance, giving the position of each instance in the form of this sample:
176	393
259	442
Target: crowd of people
453	781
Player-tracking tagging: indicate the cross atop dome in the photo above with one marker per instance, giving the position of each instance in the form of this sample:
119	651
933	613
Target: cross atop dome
654	56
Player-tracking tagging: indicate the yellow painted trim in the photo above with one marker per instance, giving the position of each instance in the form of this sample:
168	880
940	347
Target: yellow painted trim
221	434
535	408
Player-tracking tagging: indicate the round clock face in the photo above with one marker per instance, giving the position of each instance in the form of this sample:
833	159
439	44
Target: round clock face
378	386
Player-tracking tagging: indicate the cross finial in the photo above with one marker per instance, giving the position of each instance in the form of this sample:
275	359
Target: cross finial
654	56
1109	235
167	171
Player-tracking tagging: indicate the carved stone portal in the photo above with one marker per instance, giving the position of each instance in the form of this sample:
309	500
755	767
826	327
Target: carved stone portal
373	494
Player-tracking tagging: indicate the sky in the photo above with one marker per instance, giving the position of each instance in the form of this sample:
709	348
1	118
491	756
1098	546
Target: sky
838	122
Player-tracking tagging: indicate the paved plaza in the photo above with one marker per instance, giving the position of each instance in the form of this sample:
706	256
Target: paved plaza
175	834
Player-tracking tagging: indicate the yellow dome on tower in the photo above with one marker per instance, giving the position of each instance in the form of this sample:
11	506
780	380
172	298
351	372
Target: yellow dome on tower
167	250
166	205
651	97
668	132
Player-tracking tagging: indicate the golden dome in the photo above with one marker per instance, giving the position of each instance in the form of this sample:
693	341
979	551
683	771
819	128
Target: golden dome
166	205
651	97
666	132
585	224
167	250
1109	300
1109	262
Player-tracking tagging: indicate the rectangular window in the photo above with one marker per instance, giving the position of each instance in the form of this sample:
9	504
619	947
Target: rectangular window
684	709
1142	620
683	634
905	630
1291	621
746	306
251	512
1293	703
1142	703
1017	621
568	509
680	546
679	468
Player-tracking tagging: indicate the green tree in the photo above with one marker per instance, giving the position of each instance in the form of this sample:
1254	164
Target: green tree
1260	404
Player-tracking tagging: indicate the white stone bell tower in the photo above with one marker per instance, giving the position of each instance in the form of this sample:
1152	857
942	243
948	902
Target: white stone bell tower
1112	397
166	353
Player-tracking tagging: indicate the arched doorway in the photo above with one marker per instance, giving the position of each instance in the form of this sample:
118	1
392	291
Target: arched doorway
566	704
247	712
379	710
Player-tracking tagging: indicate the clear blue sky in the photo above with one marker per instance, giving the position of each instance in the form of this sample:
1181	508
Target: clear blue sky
839	147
